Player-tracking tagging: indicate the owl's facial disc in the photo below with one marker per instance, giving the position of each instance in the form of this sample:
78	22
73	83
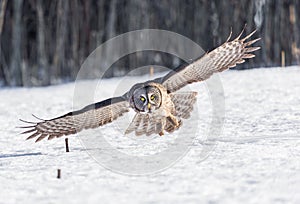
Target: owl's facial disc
153	98
146	99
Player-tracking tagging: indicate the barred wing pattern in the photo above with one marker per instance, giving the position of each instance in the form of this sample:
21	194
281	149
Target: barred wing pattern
223	57
91	116
183	103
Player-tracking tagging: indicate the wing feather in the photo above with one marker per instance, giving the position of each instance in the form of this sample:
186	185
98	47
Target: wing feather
92	116
183	103
223	57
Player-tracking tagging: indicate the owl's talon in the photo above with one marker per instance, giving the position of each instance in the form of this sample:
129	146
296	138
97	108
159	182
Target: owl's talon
161	133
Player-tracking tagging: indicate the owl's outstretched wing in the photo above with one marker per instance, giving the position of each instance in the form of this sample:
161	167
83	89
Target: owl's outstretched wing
91	116
223	57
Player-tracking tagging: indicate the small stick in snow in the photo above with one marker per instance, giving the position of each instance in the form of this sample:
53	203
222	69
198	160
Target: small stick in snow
58	173
67	145
151	71
282	58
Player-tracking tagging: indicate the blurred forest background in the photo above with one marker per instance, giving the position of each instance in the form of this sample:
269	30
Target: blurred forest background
44	42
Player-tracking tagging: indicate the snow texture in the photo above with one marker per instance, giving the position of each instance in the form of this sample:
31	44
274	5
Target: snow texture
256	159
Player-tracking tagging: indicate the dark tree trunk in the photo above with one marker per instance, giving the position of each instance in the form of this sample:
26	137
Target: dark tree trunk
42	55
4	72
61	32
15	78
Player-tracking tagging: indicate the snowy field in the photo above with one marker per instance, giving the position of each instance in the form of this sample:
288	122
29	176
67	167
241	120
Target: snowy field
256	158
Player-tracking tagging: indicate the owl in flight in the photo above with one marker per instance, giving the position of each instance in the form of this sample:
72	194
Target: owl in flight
159	107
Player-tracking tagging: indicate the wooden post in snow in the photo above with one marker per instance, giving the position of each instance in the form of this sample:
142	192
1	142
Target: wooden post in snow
58	173
282	58
67	145
151	71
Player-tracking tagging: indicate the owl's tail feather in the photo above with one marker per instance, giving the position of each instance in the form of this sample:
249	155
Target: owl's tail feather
145	124
134	124
183	103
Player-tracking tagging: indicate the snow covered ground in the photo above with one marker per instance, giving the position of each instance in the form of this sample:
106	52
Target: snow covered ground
256	159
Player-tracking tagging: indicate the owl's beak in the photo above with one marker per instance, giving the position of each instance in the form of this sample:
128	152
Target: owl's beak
149	106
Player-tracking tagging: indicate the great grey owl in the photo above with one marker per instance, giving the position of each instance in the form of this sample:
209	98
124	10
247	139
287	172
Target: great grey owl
159	107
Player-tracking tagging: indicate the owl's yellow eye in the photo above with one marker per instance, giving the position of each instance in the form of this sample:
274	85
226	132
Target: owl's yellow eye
152	97
142	98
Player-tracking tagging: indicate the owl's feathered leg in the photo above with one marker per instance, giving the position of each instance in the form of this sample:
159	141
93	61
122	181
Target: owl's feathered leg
172	124
162	127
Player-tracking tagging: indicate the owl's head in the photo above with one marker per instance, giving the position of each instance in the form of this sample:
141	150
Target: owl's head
147	99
